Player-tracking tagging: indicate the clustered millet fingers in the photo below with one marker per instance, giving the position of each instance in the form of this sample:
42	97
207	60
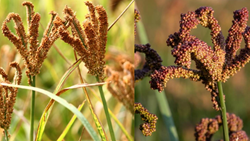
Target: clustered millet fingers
213	89
205	129
8	95
235	34
153	61
213	64
121	83
206	19
161	76
209	126
88	41
20	41
238	136
149	126
240	60
36	53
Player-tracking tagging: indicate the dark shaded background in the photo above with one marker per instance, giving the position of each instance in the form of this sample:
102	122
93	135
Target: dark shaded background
189	101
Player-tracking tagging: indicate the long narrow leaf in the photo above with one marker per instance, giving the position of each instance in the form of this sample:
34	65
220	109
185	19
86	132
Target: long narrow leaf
98	124
63	102
117	121
167	116
65	131
91	108
47	110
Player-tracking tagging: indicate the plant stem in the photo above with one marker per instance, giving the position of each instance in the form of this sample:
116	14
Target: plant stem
142	33
223	112
133	128
167	116
6	135
121	126
105	107
32	110
120	15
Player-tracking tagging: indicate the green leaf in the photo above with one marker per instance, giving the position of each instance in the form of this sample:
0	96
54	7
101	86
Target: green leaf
47	110
65	131
63	102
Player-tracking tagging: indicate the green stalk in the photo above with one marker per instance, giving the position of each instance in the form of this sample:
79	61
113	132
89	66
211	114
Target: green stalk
120	125
133	128
223	112
6	135
105	107
142	33
161	98
167	116
32	110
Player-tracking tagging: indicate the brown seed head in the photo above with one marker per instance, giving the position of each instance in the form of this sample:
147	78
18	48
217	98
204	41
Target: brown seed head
149	126
89	41
213	64
8	96
120	82
209	126
34	55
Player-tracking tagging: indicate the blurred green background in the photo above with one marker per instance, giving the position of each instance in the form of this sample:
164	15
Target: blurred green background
119	39
189	101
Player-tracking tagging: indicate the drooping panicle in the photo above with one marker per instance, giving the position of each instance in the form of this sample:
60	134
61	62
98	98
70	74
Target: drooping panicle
149	126
8	95
161	76
153	61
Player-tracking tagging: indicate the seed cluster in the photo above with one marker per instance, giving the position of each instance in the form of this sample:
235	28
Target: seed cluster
153	61
209	126
121	82
149	126
90	41
34	53
213	64
137	17
8	95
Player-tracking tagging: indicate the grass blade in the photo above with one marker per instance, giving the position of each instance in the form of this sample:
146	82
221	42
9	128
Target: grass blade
130	138
47	110
98	124
120	125
167	116
65	131
63	102
91	108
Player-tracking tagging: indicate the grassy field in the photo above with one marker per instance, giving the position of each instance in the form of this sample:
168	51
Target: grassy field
119	41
